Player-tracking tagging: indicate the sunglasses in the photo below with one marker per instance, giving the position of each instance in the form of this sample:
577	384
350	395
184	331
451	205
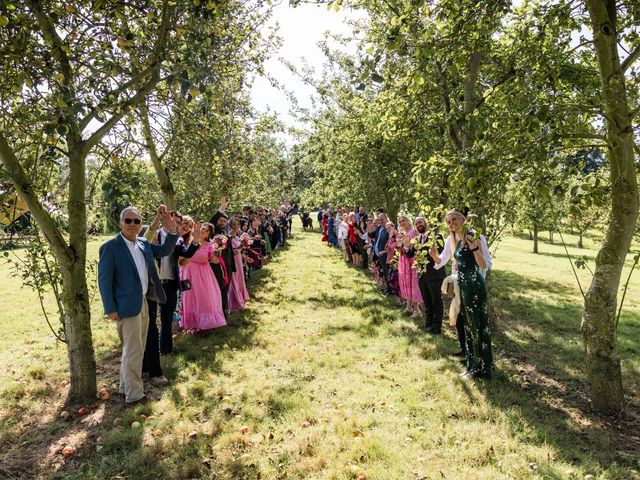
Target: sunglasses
129	221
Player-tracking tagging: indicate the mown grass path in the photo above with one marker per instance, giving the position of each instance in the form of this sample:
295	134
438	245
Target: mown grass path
322	377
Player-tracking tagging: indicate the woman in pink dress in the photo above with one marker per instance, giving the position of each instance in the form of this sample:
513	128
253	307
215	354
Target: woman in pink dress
202	304
407	276
238	294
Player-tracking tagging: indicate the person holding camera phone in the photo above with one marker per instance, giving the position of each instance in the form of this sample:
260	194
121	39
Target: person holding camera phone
471	262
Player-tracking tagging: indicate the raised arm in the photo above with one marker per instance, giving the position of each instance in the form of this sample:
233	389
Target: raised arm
224	202
441	257
169	243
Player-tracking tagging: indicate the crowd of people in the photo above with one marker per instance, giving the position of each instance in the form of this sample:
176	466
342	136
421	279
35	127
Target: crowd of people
195	271
408	260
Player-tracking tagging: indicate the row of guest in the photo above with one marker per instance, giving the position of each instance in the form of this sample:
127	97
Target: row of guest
391	253
203	264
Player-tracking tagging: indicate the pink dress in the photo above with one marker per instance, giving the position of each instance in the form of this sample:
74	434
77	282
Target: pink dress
202	305
238	294
408	277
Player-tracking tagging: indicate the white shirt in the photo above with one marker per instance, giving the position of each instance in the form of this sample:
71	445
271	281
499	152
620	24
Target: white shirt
166	264
141	263
343	230
446	256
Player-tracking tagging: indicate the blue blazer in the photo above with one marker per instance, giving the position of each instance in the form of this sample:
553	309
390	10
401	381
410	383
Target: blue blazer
118	278
382	238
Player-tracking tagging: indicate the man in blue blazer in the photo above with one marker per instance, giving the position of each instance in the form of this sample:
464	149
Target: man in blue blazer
127	276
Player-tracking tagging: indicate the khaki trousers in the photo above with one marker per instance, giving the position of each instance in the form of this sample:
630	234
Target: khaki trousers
133	336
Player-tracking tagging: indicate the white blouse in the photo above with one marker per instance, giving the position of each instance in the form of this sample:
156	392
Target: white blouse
446	255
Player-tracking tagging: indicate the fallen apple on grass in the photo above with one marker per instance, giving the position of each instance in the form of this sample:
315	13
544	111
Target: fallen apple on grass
82	411
68	451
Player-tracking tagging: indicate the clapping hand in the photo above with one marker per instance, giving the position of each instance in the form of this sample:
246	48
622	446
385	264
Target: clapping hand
195	232
168	222
433	252
224	203
159	214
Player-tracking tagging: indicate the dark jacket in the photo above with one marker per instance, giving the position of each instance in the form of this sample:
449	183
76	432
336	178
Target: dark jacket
227	253
181	250
431	273
382	237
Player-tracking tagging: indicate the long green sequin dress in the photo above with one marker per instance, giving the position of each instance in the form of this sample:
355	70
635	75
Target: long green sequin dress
473	292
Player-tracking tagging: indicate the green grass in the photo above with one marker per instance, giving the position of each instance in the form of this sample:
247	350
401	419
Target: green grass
333	382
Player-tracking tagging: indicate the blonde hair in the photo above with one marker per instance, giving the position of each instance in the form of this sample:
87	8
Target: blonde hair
401	217
453	242
457	213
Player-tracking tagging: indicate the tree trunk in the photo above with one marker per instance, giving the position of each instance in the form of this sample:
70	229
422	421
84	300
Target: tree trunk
77	325
71	257
470	102
167	191
551	236
82	363
535	239
390	206
580	242
599	317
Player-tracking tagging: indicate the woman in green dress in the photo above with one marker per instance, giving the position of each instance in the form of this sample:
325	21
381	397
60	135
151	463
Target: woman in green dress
471	261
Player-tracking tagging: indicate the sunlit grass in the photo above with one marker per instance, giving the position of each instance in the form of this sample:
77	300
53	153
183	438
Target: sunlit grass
322	377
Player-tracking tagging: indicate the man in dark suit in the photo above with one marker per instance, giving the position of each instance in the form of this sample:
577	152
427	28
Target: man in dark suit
430	281
223	272
127	277
382	237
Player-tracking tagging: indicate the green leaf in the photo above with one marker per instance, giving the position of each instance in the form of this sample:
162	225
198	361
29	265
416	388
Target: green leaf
377	77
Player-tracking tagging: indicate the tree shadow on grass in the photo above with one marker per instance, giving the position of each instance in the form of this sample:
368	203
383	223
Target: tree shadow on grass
33	433
541	379
540	383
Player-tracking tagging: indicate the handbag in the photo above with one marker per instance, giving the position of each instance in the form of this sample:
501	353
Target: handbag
185	285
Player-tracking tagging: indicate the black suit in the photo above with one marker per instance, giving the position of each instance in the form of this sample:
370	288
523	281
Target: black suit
430	283
229	264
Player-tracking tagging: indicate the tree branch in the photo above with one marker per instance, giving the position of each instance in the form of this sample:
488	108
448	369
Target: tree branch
145	89
23	186
134	80
590	136
116	117
50	34
510	75
633	56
